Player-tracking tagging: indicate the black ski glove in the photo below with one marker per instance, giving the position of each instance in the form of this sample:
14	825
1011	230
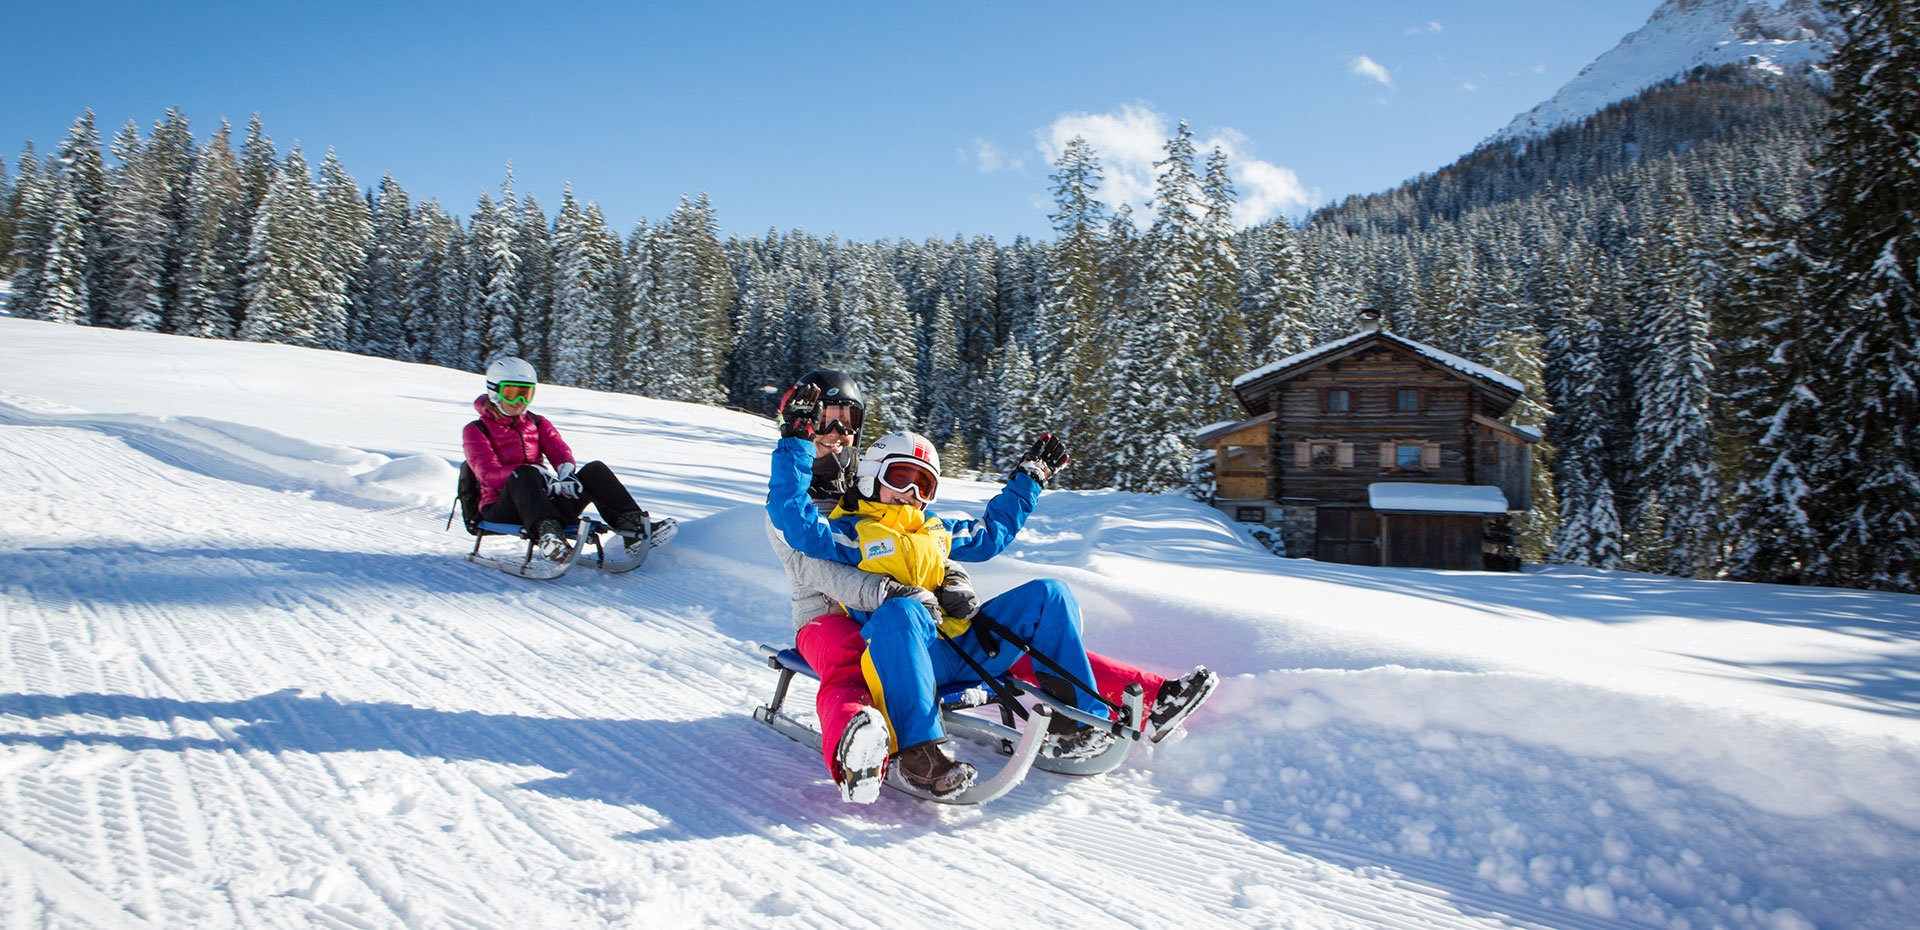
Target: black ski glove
894	589
956	594
800	411
1044	459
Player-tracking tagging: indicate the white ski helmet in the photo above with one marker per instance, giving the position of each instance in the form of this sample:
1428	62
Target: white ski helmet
510	370
902	461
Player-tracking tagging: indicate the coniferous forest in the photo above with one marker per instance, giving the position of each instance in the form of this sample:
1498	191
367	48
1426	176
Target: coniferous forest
1709	290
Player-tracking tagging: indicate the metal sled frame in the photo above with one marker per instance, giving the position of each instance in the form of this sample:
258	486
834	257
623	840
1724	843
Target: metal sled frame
1021	746
581	531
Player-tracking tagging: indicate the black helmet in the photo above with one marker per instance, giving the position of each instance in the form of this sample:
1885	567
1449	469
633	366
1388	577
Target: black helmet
836	388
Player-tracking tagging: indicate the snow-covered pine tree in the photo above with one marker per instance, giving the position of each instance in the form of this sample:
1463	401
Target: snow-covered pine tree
1020	415
644	333
84	172
582	333
458	338
535	282
383	290
1772	445
214	261
346	229
1865	236
134	235
693	298
1078	300
1582	395
171	159
877	338
1160	403
61	283
1673	452
9	219
31	204
289	280
1220	337
426	322
1519	355
1273	294
496	269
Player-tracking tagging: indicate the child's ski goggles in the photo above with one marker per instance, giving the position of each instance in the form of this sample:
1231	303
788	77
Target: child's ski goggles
514	392
910	477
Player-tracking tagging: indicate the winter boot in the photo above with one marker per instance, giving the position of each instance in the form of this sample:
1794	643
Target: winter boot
862	756
635	525
1082	742
928	767
1177	698
548	543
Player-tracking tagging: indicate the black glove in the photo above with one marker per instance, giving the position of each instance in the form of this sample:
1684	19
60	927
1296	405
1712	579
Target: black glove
800	411
894	589
1044	459
956	594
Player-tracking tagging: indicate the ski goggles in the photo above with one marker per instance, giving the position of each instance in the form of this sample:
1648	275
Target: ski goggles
836	426
849	423
514	392
910	477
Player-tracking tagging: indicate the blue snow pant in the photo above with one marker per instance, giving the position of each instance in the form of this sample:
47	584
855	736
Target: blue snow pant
906	663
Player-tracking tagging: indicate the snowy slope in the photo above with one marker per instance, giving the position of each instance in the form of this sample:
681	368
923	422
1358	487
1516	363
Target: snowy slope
1767	35
246	681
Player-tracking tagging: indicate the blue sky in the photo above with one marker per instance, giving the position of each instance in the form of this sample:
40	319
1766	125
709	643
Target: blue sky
867	120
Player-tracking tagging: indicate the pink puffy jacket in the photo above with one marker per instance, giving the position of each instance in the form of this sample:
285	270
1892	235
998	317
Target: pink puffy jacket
496	445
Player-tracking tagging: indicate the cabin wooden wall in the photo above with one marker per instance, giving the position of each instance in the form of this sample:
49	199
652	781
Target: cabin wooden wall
1372	380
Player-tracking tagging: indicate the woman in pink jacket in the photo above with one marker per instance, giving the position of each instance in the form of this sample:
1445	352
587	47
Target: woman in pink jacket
506	448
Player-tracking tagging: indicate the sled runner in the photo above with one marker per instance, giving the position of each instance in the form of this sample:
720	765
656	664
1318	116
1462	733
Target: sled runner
582	531
960	708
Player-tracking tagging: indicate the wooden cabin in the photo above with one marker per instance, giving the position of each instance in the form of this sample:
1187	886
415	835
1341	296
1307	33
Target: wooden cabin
1334	431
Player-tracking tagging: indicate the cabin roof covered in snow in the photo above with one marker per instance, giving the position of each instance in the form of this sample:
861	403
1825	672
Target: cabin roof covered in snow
1436	498
1342	346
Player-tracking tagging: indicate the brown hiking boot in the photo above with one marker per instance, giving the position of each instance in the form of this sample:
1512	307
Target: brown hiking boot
928	767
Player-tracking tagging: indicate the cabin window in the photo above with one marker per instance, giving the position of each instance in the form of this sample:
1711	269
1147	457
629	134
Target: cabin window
1243	459
1407	400
1407	454
1338	401
1490	453
1325	454
1250	514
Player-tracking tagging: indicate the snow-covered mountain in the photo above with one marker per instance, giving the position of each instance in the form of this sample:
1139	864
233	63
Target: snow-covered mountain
1781	38
246	680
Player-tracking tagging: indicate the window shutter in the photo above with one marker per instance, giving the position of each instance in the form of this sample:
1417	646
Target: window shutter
1387	458
1346	455
1302	455
1430	456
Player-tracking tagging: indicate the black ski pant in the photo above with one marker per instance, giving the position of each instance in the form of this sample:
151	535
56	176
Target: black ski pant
524	498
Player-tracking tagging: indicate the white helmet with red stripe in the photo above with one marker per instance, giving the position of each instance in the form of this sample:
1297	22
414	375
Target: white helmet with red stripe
903	461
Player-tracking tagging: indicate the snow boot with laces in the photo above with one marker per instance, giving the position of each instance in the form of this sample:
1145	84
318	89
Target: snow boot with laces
862	756
928	767
548	543
1178	698
1081	742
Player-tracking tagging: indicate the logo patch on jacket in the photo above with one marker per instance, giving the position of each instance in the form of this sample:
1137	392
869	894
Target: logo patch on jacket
878	548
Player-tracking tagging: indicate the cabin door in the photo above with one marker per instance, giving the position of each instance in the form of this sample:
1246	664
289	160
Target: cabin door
1347	535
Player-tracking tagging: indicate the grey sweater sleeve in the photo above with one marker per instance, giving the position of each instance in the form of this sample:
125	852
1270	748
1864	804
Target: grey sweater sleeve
819	584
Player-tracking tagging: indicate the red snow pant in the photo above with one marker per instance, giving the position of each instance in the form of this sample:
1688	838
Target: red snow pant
832	644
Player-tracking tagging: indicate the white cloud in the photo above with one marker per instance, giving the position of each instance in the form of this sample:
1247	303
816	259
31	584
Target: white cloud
1433	25
1469	86
1368	68
1129	140
990	159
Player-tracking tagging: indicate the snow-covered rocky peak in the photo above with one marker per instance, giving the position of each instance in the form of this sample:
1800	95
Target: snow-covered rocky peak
1779	37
